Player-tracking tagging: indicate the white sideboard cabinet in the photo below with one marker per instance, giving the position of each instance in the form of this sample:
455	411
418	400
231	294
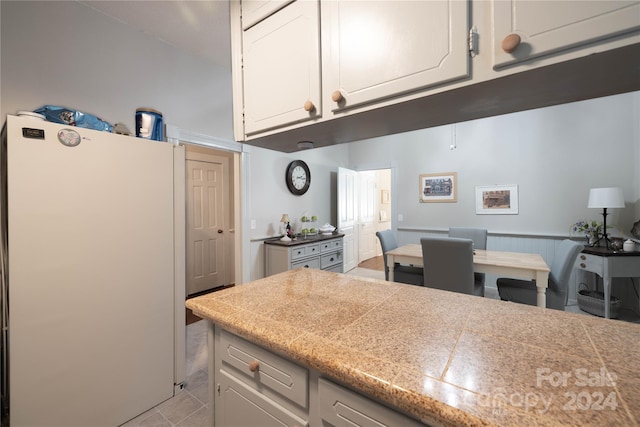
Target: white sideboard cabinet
321	252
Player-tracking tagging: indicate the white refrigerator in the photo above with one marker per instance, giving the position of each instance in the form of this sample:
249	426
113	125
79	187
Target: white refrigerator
93	293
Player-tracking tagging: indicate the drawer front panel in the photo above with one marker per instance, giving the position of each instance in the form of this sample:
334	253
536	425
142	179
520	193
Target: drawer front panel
592	263
338	268
330	259
309	263
331	245
343	407
304	251
241	405
278	374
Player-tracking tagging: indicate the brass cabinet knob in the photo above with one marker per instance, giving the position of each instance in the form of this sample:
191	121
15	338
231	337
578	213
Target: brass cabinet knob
583	265
308	106
254	365
511	43
582	257
336	96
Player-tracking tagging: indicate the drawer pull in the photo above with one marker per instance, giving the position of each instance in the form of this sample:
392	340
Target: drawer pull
254	365
582	257
583	265
511	43
337	96
308	106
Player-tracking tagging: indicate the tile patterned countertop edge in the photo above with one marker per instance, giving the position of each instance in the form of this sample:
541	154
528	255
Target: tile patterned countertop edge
445	358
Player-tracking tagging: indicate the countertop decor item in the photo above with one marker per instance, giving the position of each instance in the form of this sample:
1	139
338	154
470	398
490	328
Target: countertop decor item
589	228
635	230
629	245
285	222
605	198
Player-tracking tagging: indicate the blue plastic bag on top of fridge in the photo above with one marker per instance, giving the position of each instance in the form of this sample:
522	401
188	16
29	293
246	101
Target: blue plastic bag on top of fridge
67	116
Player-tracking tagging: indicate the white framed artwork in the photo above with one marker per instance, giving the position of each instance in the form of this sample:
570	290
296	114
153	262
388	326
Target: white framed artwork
497	200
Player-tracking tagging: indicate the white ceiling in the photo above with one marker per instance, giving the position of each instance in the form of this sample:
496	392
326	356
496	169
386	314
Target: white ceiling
197	26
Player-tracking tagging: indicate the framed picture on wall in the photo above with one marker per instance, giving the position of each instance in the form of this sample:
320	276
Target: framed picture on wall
438	187
497	200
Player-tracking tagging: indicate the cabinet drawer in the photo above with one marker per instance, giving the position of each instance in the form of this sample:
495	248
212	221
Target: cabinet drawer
338	268
304	251
331	245
309	263
342	407
241	405
591	263
276	373
330	259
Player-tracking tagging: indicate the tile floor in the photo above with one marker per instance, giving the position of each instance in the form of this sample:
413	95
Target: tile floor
189	408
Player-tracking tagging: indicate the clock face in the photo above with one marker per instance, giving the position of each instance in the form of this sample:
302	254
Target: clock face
298	177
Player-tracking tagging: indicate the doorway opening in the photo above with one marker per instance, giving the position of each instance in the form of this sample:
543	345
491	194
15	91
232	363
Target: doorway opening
210	218
364	207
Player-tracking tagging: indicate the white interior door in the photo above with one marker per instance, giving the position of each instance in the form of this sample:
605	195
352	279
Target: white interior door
367	218
207	224
347	216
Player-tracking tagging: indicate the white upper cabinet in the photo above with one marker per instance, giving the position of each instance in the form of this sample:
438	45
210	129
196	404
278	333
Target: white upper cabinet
254	11
281	68
374	50
527	29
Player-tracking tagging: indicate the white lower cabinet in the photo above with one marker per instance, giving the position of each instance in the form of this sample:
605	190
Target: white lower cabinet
254	387
243	406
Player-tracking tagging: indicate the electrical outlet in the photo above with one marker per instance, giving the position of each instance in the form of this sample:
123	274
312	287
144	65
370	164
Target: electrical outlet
400	217
253	224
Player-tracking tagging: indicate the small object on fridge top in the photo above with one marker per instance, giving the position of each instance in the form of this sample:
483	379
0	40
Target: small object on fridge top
67	116
149	124
121	129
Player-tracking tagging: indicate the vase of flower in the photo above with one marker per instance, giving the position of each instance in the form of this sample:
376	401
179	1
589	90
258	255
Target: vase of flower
592	239
592	230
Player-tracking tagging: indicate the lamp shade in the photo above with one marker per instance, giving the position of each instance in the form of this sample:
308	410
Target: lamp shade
610	197
285	218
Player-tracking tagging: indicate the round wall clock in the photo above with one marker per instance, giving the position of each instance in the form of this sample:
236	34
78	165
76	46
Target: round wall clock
298	177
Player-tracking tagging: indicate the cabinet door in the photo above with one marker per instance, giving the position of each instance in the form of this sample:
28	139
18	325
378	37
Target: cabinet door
548	27
380	49
281	73
241	406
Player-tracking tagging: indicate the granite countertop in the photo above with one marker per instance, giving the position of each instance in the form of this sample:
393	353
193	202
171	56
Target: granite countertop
299	240
446	358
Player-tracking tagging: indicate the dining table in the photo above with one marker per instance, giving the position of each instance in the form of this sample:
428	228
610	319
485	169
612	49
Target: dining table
518	265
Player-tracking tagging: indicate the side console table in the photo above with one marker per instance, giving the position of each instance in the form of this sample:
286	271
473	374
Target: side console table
608	264
322	252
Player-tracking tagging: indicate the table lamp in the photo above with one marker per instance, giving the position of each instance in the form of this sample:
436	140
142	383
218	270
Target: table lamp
285	221
610	197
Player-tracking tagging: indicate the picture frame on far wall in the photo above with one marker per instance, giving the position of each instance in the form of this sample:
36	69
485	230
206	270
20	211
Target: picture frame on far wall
438	187
497	200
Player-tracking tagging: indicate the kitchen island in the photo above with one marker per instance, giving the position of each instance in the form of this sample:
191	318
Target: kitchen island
438	357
